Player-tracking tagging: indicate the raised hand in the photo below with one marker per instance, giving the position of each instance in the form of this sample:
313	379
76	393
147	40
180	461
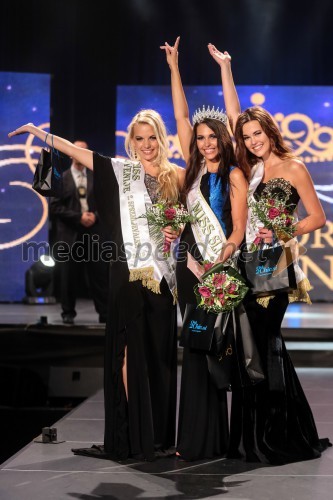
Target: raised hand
171	52
25	129
220	57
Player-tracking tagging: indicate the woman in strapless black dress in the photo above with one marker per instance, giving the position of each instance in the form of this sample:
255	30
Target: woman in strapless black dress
271	422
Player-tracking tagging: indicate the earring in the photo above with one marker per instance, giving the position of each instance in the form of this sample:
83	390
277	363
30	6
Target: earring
135	155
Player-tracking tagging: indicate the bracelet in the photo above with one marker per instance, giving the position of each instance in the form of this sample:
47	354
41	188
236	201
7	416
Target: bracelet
46	137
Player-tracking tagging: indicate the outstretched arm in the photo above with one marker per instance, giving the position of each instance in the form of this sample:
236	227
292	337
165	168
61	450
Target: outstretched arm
180	107
230	95
84	156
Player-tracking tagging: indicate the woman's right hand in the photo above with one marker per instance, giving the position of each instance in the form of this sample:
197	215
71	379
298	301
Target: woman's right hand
170	235
25	129
171	52
220	57
266	235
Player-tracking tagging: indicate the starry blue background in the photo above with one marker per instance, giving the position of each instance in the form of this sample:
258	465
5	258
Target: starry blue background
24	97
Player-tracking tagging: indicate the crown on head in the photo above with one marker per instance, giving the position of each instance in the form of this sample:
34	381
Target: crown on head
215	114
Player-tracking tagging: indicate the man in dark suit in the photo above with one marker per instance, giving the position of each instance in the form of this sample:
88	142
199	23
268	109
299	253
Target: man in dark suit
79	236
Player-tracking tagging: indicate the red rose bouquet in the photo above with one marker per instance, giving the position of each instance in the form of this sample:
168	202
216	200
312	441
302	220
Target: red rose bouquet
222	288
275	214
161	215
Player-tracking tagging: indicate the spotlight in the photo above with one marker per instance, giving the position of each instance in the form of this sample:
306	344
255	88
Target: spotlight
39	282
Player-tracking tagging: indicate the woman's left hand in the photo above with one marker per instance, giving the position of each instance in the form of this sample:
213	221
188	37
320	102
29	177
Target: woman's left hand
170	234
220	57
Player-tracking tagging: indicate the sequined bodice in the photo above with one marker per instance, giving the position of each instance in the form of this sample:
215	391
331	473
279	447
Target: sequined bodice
276	186
151	184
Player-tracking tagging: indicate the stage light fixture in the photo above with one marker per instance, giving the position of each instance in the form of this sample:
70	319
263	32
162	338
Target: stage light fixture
39	282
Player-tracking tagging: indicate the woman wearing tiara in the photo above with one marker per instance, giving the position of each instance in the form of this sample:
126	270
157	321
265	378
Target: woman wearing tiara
140	384
271	422
216	187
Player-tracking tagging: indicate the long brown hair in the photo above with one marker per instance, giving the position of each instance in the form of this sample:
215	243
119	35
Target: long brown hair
247	159
226	154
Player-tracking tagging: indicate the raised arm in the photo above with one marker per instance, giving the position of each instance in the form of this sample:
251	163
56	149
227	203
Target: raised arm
180	107
230	95
84	156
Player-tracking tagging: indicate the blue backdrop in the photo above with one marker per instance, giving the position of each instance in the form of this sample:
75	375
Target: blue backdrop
24	98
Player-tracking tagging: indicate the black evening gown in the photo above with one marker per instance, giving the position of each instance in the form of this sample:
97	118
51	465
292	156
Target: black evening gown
272	422
203	430
146	323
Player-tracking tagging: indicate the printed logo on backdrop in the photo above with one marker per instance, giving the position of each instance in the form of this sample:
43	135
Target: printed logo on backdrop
27	155
24	98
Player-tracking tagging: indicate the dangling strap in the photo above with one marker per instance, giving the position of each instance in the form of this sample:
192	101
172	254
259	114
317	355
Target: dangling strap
52	148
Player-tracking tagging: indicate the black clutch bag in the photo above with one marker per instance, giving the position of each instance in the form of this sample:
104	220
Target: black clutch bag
47	179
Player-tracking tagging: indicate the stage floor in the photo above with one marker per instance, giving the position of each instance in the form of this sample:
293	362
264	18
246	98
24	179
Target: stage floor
51	471
298	315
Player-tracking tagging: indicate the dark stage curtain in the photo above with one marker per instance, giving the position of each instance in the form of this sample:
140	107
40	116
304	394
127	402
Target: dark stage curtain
91	46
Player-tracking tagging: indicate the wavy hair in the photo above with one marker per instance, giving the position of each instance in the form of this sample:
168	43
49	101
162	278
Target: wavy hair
279	147
227	157
167	176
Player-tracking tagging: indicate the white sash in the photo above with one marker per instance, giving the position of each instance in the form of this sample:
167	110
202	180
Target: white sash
207	231
144	257
253	223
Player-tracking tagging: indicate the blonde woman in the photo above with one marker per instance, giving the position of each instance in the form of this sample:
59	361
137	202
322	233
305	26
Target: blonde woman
140	347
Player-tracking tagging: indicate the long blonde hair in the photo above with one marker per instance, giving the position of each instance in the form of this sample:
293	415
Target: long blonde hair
167	175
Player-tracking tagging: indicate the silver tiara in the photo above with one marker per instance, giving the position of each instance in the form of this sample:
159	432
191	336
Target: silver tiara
215	114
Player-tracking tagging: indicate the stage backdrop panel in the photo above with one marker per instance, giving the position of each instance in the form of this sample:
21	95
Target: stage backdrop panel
24	97
304	116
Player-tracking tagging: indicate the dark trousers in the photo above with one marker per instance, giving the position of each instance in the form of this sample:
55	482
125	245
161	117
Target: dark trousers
84	257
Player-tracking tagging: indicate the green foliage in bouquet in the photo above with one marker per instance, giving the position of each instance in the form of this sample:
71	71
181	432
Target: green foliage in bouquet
275	214
161	215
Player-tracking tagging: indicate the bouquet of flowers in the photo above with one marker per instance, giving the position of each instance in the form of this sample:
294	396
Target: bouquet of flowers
274	213
161	215
221	289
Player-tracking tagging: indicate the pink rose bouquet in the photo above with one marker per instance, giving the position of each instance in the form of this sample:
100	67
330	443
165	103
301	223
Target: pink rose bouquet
275	214
161	215
222	288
